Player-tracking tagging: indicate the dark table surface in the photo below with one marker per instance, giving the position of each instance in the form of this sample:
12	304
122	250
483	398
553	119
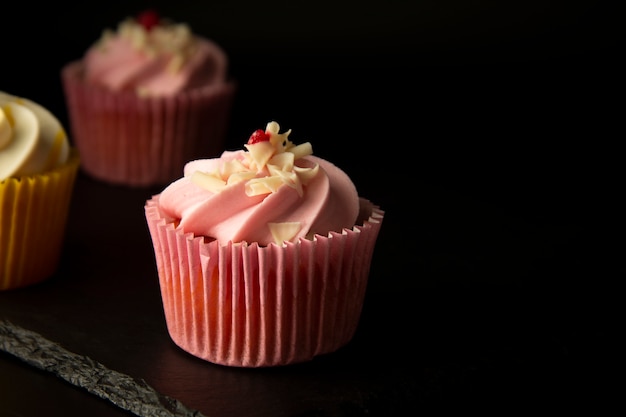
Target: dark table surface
466	306
487	134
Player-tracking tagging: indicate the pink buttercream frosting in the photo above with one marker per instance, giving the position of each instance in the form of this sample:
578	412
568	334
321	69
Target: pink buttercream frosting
154	61
274	191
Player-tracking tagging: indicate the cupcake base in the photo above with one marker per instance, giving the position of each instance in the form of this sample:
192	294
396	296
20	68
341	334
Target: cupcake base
250	306
143	141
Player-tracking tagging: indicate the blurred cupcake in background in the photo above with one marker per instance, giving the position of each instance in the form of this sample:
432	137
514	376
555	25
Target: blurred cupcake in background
38	168
146	98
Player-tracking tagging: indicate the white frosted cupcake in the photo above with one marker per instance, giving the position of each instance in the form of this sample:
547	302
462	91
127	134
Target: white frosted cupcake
38	169
147	98
263	254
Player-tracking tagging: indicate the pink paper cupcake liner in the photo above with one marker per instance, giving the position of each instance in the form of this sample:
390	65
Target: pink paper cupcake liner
250	306
141	141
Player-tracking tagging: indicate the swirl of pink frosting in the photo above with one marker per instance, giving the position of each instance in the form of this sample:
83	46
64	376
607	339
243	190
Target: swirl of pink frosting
273	192
156	60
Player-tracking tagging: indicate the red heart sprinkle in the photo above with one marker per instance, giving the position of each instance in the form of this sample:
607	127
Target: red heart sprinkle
148	19
258	136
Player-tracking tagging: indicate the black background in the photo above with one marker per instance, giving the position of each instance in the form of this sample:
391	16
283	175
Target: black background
488	131
515	102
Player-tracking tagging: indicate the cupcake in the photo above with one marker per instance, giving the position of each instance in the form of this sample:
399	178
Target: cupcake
38	169
263	254
145	99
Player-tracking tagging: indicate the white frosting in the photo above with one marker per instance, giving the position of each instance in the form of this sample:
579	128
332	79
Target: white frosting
32	140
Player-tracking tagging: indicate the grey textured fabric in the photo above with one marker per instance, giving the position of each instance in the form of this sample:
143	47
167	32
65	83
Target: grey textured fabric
122	390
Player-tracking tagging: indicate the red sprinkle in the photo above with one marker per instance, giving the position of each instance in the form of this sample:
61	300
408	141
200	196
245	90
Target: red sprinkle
258	136
148	19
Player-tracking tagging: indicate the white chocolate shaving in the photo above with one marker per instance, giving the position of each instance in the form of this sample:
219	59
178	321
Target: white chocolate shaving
283	232
240	176
306	174
301	150
282	161
208	181
176	63
260	153
263	185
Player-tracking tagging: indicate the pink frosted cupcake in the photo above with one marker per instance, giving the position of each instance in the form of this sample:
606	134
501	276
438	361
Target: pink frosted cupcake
263	254
147	98
37	173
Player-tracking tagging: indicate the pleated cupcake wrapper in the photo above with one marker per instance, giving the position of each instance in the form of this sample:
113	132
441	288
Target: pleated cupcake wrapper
251	306
141	141
33	216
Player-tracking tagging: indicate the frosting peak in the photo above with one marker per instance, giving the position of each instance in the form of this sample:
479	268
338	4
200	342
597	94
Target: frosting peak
268	164
175	41
153	57
32	140
274	191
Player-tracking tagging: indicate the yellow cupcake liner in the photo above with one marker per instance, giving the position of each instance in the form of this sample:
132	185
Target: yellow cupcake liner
33	216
